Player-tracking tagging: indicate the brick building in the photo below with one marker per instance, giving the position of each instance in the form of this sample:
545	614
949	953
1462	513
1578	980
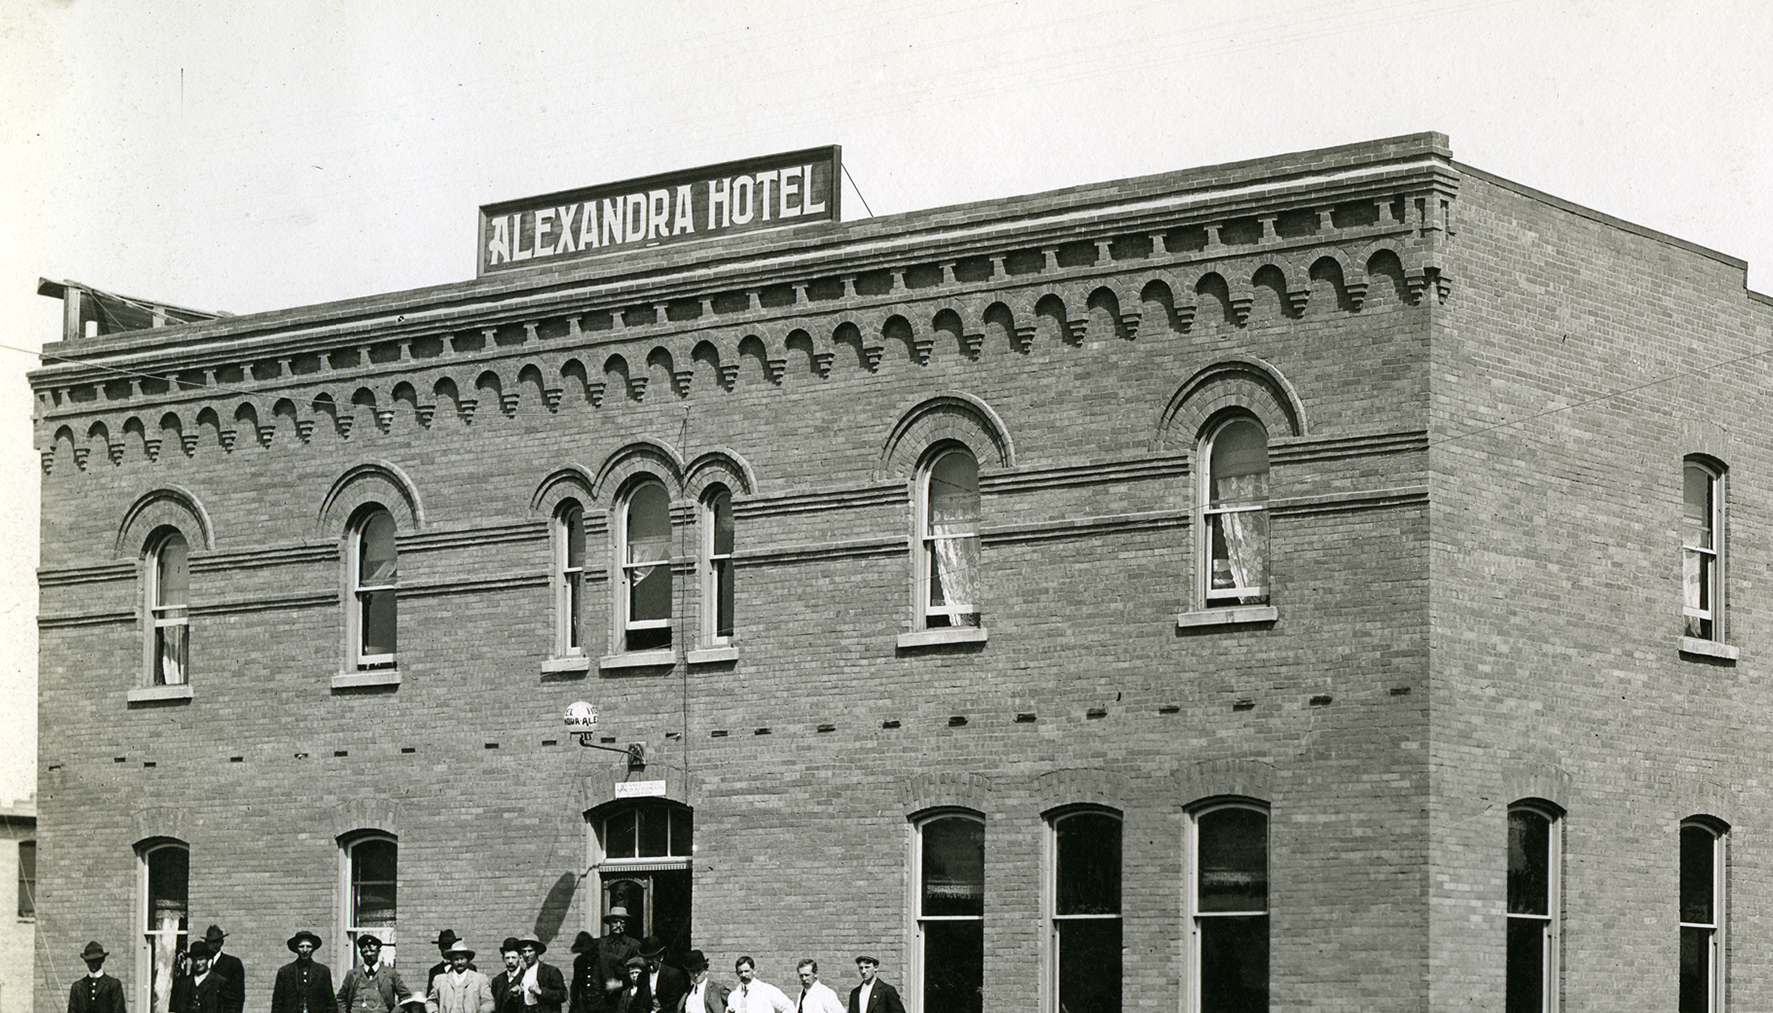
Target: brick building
1228	589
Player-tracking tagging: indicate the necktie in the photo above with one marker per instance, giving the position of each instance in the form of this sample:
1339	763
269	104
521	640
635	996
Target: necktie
801	1005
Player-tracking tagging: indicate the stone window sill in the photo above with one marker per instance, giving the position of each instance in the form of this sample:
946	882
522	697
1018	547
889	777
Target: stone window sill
1709	648
713	655
558	666
943	635
146	694
637	659
369	677
1237	616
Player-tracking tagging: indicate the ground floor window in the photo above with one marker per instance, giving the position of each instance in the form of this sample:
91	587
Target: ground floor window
372	879
1229	898
950	876
165	891
641	854
1533	908
1084	942
1702	916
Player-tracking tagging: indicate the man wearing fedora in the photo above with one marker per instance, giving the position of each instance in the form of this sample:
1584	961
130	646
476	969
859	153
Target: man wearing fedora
445	939
544	990
705	995
606	970
200	991
302	985
229	967
461	989
372	987
507	988
662	981
96	992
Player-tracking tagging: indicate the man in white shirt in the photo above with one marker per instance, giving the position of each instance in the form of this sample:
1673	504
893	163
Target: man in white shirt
815	995
754	996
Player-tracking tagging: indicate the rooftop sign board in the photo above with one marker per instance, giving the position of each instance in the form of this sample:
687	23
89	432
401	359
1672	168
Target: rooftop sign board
771	192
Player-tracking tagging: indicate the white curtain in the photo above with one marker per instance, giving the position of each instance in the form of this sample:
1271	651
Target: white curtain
1245	531
166	945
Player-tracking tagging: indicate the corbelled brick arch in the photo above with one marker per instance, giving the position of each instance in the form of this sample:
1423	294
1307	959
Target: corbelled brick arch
166	506
370	482
949	416
1235	381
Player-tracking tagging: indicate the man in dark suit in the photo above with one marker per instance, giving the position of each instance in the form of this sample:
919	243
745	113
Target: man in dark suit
873	995
543	982
228	966
201	990
96	991
661	981
507	988
302	985
704	995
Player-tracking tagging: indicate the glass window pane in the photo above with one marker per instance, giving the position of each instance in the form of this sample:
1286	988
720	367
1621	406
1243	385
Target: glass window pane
681	838
1234	965
954	495
1089	966
169	873
655	829
1526	966
954	966
1697	879
376	560
649	524
378	622
722	509
1696	971
953	866
723	598
618	835
573	606
170	649
1089	864
1529	863
374	872
649	593
1233	862
27	879
1239	464
1696	510
172	583
572	524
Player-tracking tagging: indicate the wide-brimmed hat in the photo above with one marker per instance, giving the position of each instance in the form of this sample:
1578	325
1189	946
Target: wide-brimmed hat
446	938
511	945
364	938
652	947
93	951
531	940
583	941
198	950
694	962
299	936
214	935
617	911
458	948
634	962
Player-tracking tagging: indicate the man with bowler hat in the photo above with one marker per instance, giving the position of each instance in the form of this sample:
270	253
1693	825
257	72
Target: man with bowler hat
371	986
705	995
544	989
302	985
662	982
200	991
873	995
461	989
96	991
613	950
228	966
507	988
445	939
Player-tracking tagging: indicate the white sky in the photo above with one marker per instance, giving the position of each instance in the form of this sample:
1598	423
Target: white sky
249	156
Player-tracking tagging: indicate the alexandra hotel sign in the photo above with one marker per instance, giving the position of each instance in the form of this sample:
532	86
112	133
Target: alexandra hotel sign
774	191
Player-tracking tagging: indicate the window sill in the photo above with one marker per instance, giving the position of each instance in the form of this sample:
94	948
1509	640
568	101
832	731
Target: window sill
943	635
557	666
713	655
637	659
372	677
1709	648
147	694
1236	616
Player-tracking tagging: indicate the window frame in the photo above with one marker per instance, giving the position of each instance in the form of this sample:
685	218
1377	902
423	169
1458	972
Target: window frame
626	624
569	581
1716	930
1191	892
27	884
147	939
350	922
916	981
158	617
605	870
1551	938
955	615
718	583
1695	619
357	590
1206	514
1053	957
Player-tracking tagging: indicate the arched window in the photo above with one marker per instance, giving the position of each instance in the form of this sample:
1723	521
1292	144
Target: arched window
1233	517
645	599
950	876
169	588
569	583
1534	908
371	881
373	566
1702	916
948	557
1084	941
642	854
1228	897
717	567
165	892
1702	550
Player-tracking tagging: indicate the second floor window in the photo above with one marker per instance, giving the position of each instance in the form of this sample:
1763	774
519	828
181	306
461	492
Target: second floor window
1702	534
717	599
1234	514
374	567
168	606
569	560
646	568
949	557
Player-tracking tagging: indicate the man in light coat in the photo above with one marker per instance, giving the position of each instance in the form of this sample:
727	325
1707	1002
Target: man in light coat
461	989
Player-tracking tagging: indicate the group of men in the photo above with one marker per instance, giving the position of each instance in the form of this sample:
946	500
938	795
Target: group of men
612	973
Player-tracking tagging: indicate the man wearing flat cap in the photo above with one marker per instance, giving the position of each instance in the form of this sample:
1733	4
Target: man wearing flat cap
544	989
873	995
371	986
302	985
229	967
445	940
200	991
461	989
633	997
96	991
705	995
